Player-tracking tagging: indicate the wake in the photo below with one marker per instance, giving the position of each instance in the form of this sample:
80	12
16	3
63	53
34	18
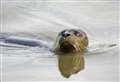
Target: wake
33	45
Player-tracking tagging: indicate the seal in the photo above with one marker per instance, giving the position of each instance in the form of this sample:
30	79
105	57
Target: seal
71	41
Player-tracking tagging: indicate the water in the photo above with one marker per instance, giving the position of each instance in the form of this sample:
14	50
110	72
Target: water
34	25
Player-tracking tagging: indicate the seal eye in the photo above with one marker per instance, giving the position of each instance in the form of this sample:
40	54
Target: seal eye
62	33
66	34
77	33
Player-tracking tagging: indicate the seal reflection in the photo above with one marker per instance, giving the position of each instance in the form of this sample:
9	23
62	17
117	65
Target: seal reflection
70	63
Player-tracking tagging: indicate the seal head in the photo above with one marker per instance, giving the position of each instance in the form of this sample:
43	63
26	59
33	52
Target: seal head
71	41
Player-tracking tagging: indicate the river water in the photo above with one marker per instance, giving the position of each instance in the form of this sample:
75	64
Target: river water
29	29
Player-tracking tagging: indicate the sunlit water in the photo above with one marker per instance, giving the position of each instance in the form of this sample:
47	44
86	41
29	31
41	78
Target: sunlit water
38	23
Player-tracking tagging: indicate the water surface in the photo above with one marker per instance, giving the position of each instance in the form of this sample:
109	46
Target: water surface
36	23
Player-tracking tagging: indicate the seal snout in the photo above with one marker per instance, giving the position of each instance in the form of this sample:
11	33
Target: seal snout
66	47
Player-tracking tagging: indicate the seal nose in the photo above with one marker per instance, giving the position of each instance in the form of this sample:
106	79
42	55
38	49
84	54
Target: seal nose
66	34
